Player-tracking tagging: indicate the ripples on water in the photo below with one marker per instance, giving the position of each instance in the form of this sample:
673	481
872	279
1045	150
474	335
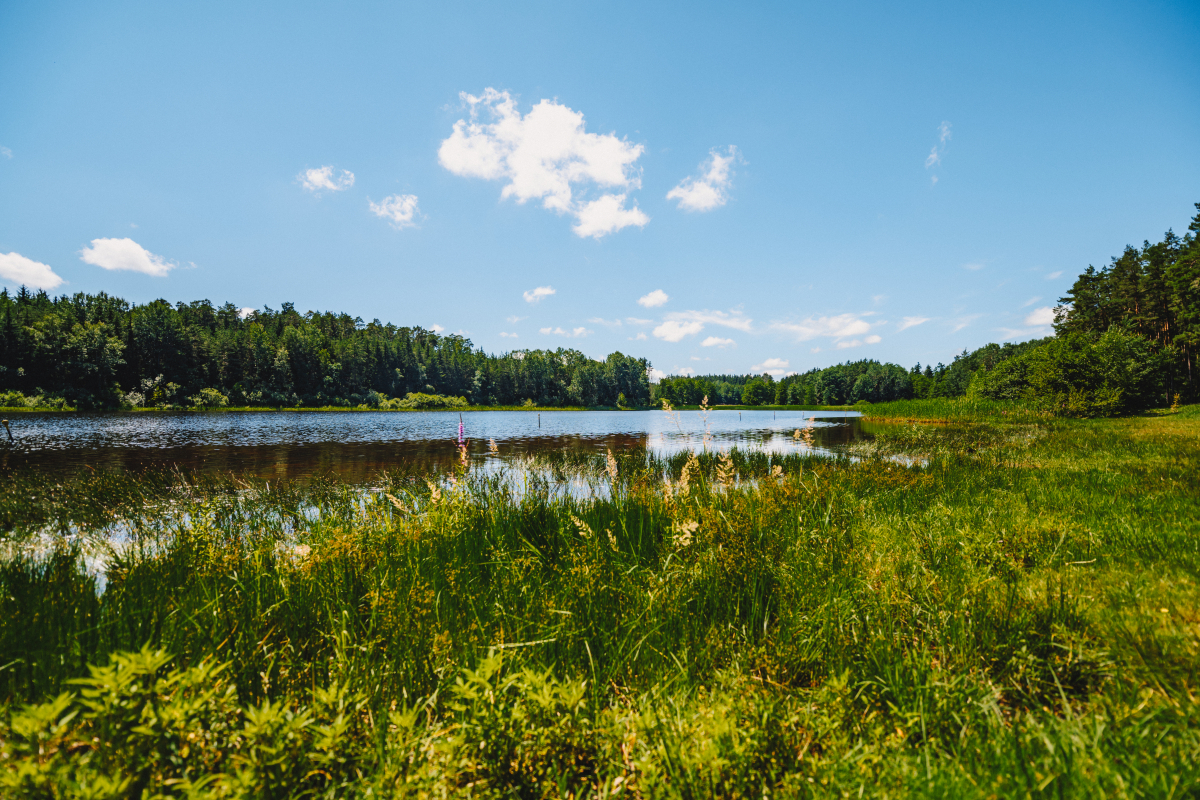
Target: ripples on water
355	445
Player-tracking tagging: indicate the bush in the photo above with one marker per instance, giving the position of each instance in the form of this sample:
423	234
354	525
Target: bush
414	400
208	398
1080	374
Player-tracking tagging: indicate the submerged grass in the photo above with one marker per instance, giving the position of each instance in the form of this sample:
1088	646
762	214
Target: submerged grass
1015	613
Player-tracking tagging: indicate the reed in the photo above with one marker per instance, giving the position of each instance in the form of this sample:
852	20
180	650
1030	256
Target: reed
995	610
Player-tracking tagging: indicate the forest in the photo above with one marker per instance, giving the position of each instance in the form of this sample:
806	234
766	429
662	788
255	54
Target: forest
97	351
1126	337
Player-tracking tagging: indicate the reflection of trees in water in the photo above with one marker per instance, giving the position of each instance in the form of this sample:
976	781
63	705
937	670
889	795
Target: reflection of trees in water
361	461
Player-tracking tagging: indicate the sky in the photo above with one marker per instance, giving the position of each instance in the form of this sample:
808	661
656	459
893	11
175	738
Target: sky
720	188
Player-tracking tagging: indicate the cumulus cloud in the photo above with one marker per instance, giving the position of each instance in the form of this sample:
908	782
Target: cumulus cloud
18	270
717	341
680	324
912	322
675	330
606	214
546	155
710	189
656	375
322	179
574	333
641	337
772	366
538	294
837	327
873	339
1040	317
245	312
125	254
397	209
654	299
688	371
507	335
436	328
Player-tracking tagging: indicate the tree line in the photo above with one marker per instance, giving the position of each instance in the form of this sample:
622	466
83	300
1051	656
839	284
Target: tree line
1126	337
98	351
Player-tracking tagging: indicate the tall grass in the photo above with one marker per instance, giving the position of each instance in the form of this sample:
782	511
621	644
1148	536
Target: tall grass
1014	614
956	409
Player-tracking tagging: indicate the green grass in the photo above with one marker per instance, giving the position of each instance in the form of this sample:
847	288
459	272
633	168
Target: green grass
1016	614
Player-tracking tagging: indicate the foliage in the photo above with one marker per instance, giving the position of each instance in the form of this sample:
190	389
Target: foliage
99	351
1081	375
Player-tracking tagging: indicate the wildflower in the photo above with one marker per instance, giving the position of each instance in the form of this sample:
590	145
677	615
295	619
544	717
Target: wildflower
690	469
435	491
611	465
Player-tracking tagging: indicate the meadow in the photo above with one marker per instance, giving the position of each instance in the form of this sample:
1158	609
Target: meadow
1004	605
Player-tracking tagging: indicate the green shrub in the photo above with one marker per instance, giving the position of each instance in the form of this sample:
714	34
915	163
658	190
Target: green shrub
208	398
1080	374
414	400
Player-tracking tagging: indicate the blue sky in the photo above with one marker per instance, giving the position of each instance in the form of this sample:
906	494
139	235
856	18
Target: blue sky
781	186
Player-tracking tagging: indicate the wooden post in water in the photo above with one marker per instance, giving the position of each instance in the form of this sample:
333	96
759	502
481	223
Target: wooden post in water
7	429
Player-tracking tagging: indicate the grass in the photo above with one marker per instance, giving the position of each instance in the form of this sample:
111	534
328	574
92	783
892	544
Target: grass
1015	613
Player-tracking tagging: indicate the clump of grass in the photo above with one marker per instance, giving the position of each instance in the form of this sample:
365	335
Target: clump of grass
1016	620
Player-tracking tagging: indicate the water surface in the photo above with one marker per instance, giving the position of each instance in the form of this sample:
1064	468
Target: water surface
357	444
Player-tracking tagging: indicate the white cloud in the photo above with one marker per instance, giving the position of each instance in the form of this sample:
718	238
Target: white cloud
974	266
574	333
731	319
322	179
1030	301
717	341
912	322
245	312
125	254
1054	275
674	330
436	328
656	375
639	321
873	339
398	209
934	158
606	214
685	371
21	271
641	337
654	299
772	366
961	322
545	155
852	343
538	294
836	327
608	323
710	190
4	151
1040	317
513	320
507	335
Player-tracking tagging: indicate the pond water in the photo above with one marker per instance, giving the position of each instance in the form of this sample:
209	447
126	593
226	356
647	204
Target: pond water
357	444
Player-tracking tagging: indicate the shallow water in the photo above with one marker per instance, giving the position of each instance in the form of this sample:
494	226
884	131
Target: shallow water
357	444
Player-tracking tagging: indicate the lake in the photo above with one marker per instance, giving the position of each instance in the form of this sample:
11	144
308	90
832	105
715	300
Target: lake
358	444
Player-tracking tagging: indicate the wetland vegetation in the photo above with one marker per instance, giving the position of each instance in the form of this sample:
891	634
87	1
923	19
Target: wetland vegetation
990	608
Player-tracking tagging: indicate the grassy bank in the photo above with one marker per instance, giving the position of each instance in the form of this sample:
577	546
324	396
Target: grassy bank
1015	614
